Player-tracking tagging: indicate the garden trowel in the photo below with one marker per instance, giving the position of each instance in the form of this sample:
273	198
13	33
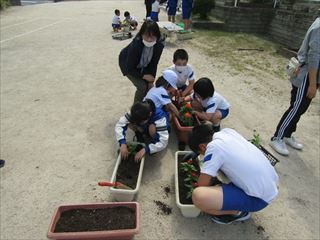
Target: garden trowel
114	184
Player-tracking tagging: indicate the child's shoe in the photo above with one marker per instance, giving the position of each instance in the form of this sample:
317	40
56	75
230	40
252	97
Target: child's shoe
228	219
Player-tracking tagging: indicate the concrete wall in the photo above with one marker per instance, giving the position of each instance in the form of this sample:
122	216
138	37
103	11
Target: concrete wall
286	24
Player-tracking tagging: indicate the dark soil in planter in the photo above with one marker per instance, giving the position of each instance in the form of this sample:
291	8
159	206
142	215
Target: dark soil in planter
128	170
165	209
183	190
102	219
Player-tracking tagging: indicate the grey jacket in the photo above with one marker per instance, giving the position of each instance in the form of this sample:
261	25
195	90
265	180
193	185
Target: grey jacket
309	54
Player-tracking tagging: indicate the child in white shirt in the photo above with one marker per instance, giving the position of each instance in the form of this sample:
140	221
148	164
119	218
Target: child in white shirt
208	105
155	9
184	71
116	23
254	181
162	92
130	19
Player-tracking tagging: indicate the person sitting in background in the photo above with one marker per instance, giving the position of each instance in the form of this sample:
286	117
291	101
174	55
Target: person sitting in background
130	19
116	22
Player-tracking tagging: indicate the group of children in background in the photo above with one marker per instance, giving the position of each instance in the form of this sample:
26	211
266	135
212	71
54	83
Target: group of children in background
150	119
128	20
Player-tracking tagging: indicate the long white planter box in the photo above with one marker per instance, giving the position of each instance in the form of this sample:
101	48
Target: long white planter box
187	210
126	195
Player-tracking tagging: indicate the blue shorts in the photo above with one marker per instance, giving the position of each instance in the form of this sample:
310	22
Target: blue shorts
154	16
224	113
172	7
116	26
186	9
235	198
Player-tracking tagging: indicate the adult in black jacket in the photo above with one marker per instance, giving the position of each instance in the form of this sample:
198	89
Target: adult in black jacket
139	60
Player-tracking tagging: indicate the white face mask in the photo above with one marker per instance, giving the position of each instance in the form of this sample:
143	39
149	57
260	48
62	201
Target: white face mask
181	68
149	44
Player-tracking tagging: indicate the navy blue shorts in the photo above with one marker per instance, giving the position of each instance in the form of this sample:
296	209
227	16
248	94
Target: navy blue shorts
154	16
224	113
172	7
116	26
186	9
235	198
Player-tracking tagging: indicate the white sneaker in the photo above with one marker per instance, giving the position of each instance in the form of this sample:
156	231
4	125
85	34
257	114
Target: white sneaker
293	143
279	146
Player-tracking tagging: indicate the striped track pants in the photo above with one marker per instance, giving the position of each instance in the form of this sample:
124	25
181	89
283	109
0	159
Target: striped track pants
298	105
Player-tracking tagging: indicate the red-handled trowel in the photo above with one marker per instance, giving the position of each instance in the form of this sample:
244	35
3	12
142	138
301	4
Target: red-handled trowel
114	184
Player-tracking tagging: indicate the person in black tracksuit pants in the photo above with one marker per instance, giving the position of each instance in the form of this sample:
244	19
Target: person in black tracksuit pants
305	83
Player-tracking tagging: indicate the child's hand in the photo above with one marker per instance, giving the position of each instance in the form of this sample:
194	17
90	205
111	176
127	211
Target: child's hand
124	151
139	155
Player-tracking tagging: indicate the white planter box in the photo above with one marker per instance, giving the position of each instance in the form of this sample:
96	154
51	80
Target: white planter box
187	210
126	195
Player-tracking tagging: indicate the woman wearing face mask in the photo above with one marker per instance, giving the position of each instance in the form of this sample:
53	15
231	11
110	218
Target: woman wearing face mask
139	60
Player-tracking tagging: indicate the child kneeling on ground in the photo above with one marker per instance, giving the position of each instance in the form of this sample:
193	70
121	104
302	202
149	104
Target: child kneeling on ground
139	119
253	179
208	105
161	94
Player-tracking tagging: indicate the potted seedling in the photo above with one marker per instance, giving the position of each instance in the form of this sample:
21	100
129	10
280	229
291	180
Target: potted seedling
186	177
184	126
95	221
127	172
256	140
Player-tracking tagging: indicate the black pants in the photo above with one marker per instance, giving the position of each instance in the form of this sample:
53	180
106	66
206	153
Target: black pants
148	4
298	105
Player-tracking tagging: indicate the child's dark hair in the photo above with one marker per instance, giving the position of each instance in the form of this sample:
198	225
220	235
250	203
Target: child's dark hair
150	28
126	14
161	82
200	134
140	111
204	88
180	54
117	11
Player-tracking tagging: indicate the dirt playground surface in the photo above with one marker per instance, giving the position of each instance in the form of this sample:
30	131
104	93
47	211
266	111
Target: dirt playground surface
62	93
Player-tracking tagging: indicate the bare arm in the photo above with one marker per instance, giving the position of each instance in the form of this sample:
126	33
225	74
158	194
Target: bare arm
188	89
204	180
204	115
173	109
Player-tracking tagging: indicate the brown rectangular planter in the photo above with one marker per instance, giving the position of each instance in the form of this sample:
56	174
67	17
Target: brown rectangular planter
107	234
182	132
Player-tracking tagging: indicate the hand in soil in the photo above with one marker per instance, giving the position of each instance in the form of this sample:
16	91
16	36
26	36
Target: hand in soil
124	151
139	155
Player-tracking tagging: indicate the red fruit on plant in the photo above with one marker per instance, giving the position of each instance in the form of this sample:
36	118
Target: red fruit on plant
188	106
187	115
194	174
189	161
195	184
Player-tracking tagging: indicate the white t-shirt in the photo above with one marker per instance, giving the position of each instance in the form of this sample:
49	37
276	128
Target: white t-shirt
155	6
159	96
116	19
243	163
213	103
186	75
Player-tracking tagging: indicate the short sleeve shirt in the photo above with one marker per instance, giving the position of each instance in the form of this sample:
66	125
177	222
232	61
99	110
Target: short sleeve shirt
155	6
184	76
116	19
243	163
211	104
159	96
